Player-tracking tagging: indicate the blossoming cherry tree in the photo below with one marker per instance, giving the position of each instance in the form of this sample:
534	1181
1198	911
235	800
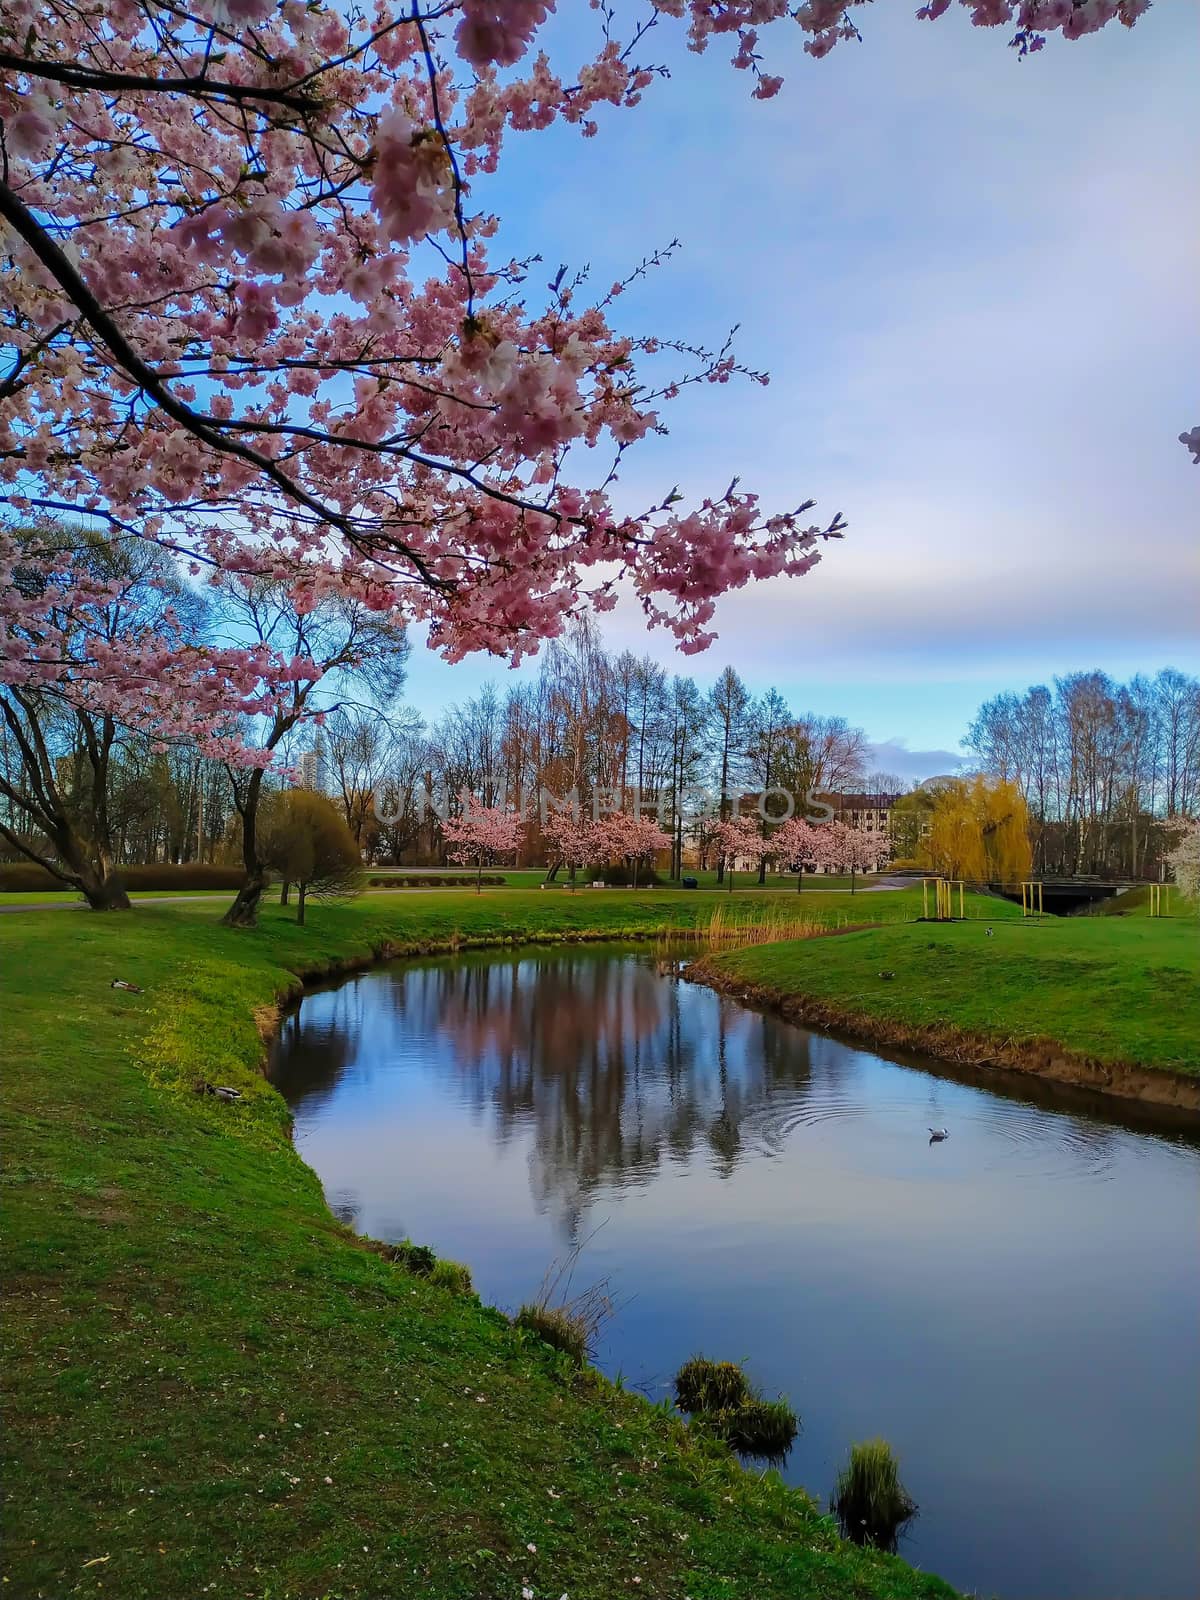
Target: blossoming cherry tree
256	315
481	834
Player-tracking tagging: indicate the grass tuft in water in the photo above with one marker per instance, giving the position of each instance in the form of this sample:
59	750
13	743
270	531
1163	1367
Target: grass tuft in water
718	1394
870	1502
758	1427
569	1322
702	1386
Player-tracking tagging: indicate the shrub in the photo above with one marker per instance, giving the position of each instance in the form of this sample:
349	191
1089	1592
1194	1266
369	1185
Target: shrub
451	1275
621	877
305	838
558	1326
26	878
870	1502
710	1385
758	1427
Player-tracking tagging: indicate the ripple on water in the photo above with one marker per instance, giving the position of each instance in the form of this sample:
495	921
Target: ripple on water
1045	1143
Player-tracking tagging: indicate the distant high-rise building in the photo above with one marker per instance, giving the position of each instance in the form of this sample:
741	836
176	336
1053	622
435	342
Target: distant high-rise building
312	765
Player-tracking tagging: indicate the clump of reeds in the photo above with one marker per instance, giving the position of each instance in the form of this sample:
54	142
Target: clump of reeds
870	1502
710	1385
719	1394
556	1327
757	924
569	1321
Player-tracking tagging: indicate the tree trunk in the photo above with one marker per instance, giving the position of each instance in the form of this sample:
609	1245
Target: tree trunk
635	871
102	891
243	913
96	881
300	893
479	875
284	891
799	879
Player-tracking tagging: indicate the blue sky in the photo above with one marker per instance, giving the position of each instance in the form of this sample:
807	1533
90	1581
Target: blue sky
972	279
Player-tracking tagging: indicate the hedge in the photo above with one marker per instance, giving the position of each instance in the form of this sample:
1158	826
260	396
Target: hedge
26	878
435	880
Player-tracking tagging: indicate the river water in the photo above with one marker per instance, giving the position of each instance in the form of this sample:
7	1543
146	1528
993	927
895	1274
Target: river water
1015	1309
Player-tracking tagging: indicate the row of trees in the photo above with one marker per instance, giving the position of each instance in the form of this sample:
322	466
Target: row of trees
1087	777
1106	769
84	791
616	731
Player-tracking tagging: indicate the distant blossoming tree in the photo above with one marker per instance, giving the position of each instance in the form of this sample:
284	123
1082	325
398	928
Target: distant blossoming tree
860	850
1184	861
829	847
794	846
629	838
254	318
737	836
837	847
569	842
481	834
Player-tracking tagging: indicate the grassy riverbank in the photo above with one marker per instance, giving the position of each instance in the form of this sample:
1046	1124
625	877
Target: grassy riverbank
213	1386
1114	1000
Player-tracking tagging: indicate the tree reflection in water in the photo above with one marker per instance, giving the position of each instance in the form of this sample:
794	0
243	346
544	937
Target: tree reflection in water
615	1070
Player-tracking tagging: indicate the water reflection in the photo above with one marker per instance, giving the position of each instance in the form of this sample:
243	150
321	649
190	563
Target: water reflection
1015	1308
615	1066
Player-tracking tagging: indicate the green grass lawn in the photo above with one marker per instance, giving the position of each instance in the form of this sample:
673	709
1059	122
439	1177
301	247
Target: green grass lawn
514	877
1119	989
213	1387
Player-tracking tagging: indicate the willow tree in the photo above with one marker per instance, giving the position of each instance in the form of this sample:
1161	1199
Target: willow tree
978	830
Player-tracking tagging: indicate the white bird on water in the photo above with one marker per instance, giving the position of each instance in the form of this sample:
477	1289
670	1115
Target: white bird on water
936	1135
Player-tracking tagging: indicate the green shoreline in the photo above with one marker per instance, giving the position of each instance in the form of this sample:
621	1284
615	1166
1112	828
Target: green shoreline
1103	1004
211	1380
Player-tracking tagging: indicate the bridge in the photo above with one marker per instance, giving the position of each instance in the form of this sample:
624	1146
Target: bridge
1060	896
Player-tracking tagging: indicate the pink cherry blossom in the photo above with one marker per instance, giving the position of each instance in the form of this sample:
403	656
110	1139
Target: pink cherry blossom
254	315
738	836
481	833
627	837
796	844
